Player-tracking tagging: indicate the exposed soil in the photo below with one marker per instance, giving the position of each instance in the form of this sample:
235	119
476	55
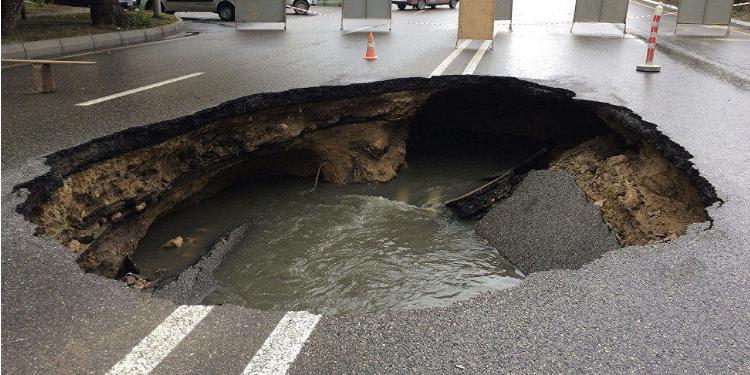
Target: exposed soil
643	197
100	198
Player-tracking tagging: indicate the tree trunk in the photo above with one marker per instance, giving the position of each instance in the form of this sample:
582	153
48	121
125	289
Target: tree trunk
103	12
11	9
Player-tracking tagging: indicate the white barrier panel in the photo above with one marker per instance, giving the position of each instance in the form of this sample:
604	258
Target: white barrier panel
504	10
366	9
601	11
476	20
260	11
705	12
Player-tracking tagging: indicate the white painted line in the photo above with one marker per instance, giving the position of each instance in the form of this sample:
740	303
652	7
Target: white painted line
477	57
479	54
448	60
159	343
139	89
283	344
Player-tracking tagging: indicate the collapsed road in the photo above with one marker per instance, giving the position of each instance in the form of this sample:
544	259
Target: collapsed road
681	305
100	201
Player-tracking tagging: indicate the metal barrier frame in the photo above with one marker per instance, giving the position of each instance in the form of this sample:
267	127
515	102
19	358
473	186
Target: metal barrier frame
624	18
236	24
491	39
510	20
705	7
390	15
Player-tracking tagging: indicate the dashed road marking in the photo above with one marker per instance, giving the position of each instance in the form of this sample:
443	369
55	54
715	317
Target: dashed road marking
479	54
145	356
139	89
477	57
283	344
448	60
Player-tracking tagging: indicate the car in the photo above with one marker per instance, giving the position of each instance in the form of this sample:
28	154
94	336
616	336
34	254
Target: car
224	8
422	4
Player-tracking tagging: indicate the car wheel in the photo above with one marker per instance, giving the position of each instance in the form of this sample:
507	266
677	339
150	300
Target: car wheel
299	5
226	12
421	4
401	6
452	4
433	6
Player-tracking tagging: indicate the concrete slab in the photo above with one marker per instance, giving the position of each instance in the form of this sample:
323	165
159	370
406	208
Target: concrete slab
43	48
132	36
77	44
14	51
107	40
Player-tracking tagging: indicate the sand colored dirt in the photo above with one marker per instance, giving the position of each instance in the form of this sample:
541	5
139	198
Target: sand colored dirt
643	197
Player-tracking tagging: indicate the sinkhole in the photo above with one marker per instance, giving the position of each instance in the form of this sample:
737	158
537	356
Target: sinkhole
396	194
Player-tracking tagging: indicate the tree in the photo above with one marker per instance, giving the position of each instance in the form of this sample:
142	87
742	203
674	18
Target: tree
107	12
11	10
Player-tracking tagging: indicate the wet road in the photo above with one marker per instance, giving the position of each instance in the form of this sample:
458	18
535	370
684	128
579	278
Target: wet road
675	307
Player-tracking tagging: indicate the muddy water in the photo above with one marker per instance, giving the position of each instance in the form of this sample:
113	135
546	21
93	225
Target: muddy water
341	249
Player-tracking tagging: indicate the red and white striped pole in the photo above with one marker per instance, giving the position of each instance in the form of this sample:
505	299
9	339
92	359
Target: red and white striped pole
649	66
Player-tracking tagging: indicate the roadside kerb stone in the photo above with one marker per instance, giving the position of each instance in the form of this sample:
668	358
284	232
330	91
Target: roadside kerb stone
77	43
82	43
132	36
107	40
154	33
14	51
43	48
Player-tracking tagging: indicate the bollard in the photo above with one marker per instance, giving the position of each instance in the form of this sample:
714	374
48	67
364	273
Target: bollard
649	66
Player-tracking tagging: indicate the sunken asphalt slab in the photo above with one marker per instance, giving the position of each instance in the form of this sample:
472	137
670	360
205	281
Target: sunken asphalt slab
677	307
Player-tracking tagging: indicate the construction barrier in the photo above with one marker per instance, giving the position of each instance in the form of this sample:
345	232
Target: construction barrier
601	11
476	20
259	11
649	65
366	9
504	11
704	12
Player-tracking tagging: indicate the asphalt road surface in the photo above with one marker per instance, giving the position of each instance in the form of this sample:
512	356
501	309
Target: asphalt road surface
676	307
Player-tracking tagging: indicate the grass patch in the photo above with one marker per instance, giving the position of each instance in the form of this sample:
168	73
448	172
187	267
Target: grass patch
40	27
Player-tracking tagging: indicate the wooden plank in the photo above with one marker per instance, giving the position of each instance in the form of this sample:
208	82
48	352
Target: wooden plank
49	61
476	20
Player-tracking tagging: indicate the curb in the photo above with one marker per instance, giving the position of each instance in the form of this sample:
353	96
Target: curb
91	42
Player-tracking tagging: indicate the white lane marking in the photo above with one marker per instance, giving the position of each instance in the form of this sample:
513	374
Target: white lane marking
448	60
479	54
145	356
139	89
283	344
477	57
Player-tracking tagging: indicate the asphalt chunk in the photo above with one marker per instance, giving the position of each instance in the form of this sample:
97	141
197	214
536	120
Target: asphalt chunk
547	223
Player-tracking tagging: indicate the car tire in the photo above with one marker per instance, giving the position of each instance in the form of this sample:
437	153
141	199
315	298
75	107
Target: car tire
301	4
422	4
452	4
433	6
401	6
226	11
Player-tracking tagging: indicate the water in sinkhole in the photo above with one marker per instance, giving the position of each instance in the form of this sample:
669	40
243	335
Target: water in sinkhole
341	249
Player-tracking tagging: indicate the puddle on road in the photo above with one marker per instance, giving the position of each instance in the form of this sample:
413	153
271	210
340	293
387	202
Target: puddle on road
341	249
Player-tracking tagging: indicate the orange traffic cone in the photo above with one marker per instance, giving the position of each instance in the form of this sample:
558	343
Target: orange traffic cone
370	54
